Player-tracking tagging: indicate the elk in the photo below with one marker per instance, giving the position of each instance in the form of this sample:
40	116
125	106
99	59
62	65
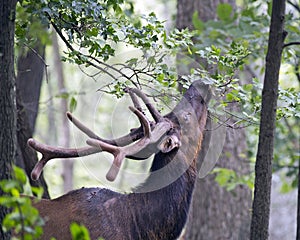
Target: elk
158	208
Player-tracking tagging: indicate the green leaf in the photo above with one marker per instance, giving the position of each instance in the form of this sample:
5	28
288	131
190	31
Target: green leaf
286	187
224	11
247	87
8	222
189	50
224	176
20	175
63	95
198	24
132	62
6	201
269	8
37	191
231	97
151	60
9	185
73	104
79	232
160	77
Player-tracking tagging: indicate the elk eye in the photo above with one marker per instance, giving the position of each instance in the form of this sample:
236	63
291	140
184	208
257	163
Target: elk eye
169	143
187	117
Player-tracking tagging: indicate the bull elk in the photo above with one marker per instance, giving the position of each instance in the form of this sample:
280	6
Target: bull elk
158	208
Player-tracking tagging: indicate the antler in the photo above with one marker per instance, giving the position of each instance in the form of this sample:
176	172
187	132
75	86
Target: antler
120	147
49	152
121	152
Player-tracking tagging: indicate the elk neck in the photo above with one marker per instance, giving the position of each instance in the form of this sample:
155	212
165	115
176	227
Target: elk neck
144	214
163	211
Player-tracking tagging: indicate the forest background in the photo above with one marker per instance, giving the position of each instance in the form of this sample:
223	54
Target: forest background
232	45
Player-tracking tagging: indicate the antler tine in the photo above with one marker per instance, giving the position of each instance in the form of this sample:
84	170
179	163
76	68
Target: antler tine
143	120
153	111
122	141
134	100
49	152
81	126
121	152
117	152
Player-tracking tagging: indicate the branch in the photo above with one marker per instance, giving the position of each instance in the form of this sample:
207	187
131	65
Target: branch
290	44
69	46
297	71
110	67
296	6
41	58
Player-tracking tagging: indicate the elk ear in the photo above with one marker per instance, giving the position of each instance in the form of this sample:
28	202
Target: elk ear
169	143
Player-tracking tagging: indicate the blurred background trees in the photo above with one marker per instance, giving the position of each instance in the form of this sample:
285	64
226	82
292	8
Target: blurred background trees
109	45
217	212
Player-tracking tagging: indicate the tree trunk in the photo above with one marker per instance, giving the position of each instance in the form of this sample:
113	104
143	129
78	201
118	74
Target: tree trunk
7	97
206	11
30	67
68	164
25	154
217	213
264	157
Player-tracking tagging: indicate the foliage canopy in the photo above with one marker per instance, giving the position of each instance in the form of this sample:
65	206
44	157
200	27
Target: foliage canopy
231	45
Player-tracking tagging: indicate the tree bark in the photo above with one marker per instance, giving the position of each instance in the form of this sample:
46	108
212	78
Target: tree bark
215	212
264	157
25	154
206	11
7	97
30	66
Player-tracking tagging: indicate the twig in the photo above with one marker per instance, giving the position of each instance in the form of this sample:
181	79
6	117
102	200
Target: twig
41	58
241	118
290	44
294	5
297	70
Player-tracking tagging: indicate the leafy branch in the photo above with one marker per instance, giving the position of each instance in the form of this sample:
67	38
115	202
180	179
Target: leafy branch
23	219
91	30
